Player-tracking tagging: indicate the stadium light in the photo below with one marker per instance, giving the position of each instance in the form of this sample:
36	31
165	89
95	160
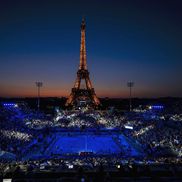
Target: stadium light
130	85
38	85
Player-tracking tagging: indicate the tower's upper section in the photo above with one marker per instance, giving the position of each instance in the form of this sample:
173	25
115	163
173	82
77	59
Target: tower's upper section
83	61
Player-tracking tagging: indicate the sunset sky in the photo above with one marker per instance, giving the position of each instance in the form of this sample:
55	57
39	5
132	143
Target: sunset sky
138	41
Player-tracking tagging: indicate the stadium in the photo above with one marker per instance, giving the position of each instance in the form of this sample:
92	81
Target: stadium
115	144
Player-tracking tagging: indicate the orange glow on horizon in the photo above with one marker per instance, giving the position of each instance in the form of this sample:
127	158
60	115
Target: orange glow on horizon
53	91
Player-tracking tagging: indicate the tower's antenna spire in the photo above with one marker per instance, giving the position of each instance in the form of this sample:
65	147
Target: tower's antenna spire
83	18
83	23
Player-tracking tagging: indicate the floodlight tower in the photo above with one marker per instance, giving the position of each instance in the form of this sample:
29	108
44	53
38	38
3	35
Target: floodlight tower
130	85
38	85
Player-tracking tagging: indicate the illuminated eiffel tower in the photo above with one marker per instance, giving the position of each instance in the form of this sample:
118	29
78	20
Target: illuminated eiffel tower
78	94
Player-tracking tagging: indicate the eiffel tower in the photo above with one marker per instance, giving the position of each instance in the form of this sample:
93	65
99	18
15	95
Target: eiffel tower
78	94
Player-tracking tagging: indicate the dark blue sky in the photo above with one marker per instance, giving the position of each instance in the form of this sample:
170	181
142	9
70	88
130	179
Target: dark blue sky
125	40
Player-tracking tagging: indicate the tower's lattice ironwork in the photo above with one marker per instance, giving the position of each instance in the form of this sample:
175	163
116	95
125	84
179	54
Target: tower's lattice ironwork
78	93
